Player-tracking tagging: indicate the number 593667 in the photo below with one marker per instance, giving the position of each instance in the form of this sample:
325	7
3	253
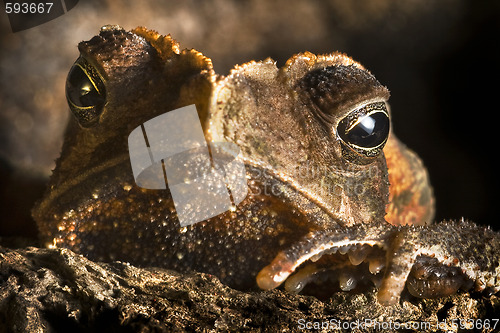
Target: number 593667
28	7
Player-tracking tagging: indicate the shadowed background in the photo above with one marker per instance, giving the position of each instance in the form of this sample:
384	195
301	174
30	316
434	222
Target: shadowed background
440	59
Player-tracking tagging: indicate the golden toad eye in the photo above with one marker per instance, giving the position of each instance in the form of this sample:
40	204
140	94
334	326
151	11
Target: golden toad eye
85	92
365	130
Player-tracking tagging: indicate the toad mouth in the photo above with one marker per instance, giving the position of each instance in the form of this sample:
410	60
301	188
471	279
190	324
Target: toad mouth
292	190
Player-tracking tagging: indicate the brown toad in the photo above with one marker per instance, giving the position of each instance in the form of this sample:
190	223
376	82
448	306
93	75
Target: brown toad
335	200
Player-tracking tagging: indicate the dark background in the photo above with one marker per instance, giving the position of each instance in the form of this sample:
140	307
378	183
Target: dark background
440	59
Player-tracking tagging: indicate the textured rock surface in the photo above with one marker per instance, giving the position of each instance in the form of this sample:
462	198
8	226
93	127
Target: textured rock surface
56	290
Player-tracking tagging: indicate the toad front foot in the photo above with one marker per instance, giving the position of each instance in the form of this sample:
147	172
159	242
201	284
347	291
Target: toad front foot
431	261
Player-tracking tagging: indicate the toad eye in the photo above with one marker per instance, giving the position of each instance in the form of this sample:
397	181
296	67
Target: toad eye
85	92
364	131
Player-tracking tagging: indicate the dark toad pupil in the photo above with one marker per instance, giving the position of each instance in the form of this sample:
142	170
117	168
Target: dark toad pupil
371	131
80	90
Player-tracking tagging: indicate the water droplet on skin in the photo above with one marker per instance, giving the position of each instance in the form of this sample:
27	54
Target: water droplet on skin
344	249
300	279
347	281
376	265
357	256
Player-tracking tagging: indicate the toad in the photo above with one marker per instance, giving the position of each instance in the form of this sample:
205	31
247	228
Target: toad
334	202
